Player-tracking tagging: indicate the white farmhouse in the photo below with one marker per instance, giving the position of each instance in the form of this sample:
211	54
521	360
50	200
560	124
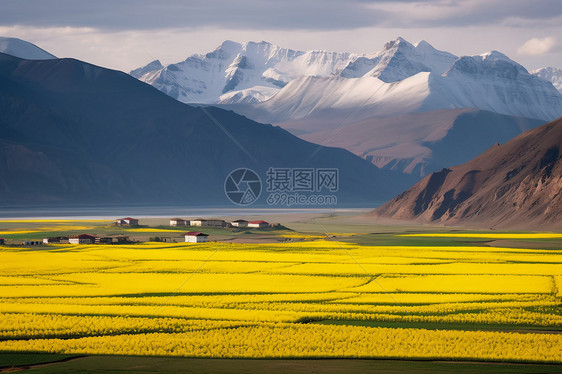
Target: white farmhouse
55	240
196	237
198	222
82	239
178	222
208	222
258	224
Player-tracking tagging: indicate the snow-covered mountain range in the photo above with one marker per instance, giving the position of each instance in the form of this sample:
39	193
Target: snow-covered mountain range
407	107
234	72
551	74
275	84
489	82
22	49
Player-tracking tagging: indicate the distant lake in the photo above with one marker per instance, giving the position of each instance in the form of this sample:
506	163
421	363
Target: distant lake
111	212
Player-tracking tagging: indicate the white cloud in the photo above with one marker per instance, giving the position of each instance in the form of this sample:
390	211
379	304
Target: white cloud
537	46
129	49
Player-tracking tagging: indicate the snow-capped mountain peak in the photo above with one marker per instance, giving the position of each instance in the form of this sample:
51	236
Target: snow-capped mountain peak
551	74
230	47
150	67
495	56
423	44
22	49
490	64
398	60
439	61
395	44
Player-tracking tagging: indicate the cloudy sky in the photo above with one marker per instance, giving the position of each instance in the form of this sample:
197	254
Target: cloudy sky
125	34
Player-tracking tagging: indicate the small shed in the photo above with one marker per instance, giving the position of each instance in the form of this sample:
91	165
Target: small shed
198	222
122	239
208	222
127	221
216	222
32	242
82	239
54	240
258	224
178	222
239	223
196	237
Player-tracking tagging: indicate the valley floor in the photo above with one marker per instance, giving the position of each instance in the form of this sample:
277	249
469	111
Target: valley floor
392	298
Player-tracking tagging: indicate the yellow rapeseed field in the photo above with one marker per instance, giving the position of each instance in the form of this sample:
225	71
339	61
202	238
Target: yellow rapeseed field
18	231
299	299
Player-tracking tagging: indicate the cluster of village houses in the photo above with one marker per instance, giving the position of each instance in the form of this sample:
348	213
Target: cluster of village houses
199	237
190	237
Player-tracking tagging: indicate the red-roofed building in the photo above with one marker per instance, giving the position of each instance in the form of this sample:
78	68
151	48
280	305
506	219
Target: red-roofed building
196	237
258	224
2	241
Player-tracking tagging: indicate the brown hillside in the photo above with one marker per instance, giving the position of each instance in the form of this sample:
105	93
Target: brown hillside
514	185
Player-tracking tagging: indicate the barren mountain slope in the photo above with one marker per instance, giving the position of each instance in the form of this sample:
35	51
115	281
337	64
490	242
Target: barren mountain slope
516	185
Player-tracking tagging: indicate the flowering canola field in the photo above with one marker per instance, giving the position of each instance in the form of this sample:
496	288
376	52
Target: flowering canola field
302	299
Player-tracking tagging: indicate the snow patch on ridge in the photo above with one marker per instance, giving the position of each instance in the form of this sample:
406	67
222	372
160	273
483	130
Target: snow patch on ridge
22	49
551	74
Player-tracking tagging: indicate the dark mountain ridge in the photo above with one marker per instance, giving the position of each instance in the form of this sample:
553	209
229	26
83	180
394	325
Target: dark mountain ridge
75	132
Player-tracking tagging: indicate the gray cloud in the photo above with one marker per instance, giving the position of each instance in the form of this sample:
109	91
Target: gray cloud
464	13
150	14
274	15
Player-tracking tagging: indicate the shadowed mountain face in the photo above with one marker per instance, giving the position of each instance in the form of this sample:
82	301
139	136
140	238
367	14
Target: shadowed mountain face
514	185
74	132
424	142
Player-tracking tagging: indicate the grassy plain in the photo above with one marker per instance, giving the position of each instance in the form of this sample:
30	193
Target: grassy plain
16	231
304	295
